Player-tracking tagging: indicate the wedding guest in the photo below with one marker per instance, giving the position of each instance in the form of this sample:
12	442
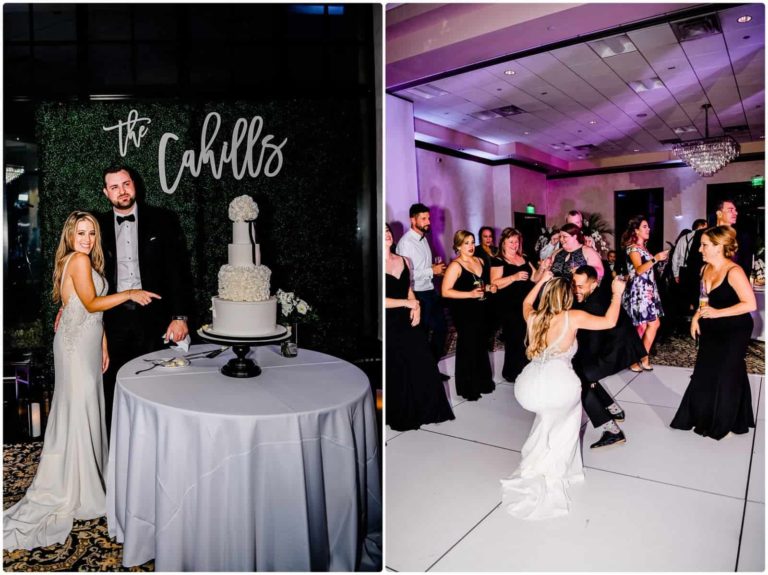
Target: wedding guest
552	246
686	278
611	259
718	400
601	354
415	247
576	218
511	273
415	392
144	247
572	254
641	300
69	482
465	285
548	386
487	248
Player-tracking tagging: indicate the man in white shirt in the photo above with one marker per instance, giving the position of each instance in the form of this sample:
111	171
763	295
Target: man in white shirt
414	246
682	249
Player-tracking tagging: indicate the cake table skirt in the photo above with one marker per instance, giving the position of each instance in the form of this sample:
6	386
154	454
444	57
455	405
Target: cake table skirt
275	473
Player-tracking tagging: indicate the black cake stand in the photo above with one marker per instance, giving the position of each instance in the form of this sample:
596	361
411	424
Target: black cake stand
241	366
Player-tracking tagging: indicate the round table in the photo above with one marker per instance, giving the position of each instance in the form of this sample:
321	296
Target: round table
274	473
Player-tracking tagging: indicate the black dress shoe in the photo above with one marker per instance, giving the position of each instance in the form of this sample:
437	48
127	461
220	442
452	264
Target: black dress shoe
609	439
618	417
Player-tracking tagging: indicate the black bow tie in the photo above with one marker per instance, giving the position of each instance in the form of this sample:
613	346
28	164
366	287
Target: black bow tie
129	218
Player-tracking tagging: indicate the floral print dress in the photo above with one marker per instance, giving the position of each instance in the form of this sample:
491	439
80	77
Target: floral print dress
641	299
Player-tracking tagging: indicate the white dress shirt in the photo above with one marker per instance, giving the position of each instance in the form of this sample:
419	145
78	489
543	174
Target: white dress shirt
415	247
127	248
680	254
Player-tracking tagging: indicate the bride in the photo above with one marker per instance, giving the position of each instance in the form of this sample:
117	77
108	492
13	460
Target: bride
69	481
549	387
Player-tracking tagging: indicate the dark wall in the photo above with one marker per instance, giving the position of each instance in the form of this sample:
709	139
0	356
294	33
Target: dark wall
307	223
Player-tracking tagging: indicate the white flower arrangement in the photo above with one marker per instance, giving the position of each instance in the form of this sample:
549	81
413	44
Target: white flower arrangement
292	308
243	209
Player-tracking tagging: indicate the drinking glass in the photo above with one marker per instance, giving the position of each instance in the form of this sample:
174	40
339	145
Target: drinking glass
438	260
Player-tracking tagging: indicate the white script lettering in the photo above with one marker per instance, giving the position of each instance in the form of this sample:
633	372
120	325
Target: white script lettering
130	133
229	152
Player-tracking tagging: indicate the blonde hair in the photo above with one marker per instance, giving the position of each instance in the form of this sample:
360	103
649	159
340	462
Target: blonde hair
723	236
556	297
67	246
459	238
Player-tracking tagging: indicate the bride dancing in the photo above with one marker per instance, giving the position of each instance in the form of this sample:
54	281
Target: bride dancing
69	481
549	387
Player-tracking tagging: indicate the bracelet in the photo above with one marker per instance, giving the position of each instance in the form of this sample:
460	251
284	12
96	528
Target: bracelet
180	317
653	261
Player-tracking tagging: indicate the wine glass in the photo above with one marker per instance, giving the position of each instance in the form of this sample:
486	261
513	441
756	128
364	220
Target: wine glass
438	260
481	284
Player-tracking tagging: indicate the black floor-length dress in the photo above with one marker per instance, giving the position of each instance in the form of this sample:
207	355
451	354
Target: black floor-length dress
718	399
473	366
509	306
415	394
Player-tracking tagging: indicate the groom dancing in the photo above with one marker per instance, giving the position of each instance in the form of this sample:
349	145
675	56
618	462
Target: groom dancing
144	248
600	354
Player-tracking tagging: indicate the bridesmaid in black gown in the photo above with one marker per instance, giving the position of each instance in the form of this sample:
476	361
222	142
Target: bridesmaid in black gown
512	274
465	283
718	400
415	394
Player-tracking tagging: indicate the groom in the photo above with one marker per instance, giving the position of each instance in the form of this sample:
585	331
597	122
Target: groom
600	354
144	248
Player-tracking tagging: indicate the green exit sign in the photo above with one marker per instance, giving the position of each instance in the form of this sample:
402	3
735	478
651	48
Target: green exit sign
758	181
531	209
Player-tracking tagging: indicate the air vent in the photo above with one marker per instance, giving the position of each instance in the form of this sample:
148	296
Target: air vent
645	85
503	112
586	148
426	91
670	141
695	28
736	129
685	130
613	46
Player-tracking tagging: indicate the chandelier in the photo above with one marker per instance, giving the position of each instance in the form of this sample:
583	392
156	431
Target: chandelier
708	155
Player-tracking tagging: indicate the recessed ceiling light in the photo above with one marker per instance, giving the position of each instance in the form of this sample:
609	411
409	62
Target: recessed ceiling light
593	121
636	150
672	68
510	72
746	37
578	131
642	115
544	93
580	157
744	19
498	89
526	133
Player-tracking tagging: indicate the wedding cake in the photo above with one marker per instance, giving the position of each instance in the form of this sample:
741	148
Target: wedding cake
244	307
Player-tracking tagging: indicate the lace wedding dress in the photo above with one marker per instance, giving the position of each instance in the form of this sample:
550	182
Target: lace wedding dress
551	458
69	481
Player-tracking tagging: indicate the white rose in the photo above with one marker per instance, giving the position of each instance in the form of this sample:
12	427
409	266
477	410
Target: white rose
243	209
302	307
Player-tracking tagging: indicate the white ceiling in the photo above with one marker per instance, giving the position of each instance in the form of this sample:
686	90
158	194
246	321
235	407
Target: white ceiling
571	96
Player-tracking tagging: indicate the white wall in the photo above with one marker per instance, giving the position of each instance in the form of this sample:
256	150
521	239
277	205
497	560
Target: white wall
401	179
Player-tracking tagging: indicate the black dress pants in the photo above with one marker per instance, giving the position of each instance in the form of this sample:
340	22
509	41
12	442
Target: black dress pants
595	400
130	333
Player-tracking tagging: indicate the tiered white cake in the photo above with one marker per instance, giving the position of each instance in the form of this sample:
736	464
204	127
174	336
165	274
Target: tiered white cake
244	307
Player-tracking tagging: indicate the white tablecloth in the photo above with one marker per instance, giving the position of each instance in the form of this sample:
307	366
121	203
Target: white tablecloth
758	316
276	473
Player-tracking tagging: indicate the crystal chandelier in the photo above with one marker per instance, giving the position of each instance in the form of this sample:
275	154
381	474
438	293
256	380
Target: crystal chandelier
707	156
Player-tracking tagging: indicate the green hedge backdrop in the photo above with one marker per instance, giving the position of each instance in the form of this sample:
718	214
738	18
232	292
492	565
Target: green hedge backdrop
307	220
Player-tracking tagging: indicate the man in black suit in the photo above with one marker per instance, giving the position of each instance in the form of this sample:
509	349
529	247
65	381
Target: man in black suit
600	354
144	248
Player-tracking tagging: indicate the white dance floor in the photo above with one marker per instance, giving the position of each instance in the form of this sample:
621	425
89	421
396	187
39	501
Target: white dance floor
667	500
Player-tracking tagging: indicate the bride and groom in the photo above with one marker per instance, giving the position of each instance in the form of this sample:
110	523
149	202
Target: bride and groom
549	387
102	264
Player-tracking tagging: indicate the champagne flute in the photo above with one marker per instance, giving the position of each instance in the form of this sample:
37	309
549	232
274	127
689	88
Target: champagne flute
481	284
703	296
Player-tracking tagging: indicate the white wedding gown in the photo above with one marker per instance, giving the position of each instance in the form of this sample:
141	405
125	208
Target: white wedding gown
69	481
551	458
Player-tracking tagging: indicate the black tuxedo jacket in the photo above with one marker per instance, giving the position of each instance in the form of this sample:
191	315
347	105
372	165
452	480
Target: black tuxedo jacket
604	352
163	264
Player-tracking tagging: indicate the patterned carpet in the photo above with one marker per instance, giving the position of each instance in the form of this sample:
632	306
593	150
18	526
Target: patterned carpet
88	547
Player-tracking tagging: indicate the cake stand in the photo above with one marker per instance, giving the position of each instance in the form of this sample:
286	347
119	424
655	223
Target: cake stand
241	366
